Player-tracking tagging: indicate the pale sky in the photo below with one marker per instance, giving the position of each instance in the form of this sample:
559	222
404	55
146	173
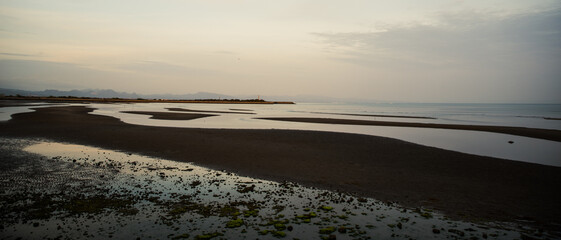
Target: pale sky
416	51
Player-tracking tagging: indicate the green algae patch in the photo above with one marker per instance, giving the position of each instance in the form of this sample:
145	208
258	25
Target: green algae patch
426	213
208	236
278	234
343	217
327	230
276	222
229	211
251	213
179	208
280	226
326	208
97	204
234	223
306	218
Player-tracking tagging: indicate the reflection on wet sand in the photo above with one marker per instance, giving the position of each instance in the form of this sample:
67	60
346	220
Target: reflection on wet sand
123	195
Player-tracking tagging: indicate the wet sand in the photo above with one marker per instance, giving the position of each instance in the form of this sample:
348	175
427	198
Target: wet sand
547	134
461	185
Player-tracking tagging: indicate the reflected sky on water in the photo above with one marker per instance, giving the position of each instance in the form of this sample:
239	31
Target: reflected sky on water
473	142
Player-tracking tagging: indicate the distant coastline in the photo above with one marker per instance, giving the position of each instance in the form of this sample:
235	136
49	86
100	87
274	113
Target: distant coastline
73	99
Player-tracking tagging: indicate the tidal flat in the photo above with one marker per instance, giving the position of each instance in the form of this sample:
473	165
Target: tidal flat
55	190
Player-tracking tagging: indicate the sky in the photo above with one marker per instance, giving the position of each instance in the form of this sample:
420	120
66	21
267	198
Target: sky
488	51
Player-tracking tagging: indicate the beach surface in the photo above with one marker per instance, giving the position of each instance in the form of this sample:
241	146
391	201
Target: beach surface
463	186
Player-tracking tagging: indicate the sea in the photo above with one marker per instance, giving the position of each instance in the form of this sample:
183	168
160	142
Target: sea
245	116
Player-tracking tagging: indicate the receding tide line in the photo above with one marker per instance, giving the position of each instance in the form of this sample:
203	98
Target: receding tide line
547	134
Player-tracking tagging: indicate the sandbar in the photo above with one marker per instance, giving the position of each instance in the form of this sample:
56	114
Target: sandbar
205	111
171	116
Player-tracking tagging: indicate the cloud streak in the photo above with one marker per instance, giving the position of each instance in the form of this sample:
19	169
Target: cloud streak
459	39
19	54
504	56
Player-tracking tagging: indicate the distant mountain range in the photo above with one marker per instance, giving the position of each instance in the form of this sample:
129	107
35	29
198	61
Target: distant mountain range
108	93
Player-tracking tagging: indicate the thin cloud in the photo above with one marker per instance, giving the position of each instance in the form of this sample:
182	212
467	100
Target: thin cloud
19	54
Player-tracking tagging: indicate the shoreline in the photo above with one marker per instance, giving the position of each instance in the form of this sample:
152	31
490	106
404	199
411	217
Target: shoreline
547	134
140	100
460	185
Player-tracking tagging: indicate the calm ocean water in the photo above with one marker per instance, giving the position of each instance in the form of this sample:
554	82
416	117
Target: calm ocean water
473	142
523	115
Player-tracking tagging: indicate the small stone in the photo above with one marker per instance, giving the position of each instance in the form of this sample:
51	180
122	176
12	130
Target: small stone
435	231
511	142
342	230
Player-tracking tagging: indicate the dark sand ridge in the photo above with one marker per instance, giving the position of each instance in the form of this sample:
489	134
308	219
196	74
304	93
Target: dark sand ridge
547	134
171	116
461	185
